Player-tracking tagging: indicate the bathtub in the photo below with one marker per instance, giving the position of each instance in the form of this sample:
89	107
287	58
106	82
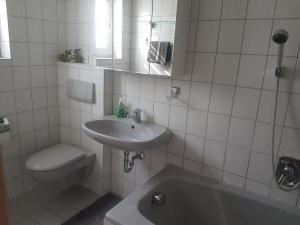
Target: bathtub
194	200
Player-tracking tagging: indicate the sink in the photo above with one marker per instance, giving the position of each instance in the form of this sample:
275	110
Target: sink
125	135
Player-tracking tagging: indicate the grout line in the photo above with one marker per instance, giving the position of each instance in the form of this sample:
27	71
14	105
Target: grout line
262	85
211	89
235	89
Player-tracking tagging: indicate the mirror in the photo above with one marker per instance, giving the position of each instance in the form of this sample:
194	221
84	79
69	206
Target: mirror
131	35
142	36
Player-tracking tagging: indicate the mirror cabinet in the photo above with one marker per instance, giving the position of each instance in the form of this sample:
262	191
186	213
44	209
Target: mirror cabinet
142	36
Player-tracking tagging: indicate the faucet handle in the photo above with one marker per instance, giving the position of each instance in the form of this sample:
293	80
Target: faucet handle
137	111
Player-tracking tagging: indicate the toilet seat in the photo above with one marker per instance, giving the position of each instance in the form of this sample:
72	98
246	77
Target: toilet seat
54	158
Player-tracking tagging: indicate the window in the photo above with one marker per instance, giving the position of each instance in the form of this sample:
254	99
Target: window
103	27
109	28
4	33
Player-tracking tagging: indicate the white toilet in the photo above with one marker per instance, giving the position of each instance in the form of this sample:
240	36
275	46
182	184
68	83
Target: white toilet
54	163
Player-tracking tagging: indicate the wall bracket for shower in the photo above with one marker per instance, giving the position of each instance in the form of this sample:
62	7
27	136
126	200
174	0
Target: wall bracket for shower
280	37
288	172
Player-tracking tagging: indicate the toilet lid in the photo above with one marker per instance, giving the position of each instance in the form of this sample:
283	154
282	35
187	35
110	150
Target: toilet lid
54	158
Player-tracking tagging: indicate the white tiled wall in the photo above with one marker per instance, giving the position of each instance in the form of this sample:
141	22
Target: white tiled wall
222	120
73	113
28	87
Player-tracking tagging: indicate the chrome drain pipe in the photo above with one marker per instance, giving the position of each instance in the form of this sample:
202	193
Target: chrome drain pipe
129	163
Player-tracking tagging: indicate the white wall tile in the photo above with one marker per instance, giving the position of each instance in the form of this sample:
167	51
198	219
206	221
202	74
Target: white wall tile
292	119
53	116
199	96
256	36
290	144
178	118
203	67
27	142
234	9
49	10
147	85
214	154
221	99
236	161
287	9
192	166
217	127
261	9
37	76
6	79
262	140
260	168
231	36
23	100
162	90
176	144
226	69
19	52
39	98
161	114
241	132
36	54
16	8
50	32
21	77
251	71
194	148
266	107
207	36
174	160
158	159
212	173
35	30
296	84
34	9
50	54
246	102
18	32
25	121
196	122
209	9
40	118
133	86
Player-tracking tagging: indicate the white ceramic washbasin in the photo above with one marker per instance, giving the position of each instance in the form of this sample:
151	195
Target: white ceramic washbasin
125	135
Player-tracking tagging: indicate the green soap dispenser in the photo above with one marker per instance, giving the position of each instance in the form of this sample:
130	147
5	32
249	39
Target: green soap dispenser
121	110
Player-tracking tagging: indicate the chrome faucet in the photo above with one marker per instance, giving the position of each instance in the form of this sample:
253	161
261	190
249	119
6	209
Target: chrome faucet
136	115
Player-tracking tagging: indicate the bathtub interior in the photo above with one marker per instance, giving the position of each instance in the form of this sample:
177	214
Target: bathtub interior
188	203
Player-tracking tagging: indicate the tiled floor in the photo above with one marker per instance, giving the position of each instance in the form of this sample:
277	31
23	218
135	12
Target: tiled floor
43	208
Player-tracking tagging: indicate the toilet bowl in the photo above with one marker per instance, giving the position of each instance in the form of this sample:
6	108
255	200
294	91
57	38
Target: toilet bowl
59	161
